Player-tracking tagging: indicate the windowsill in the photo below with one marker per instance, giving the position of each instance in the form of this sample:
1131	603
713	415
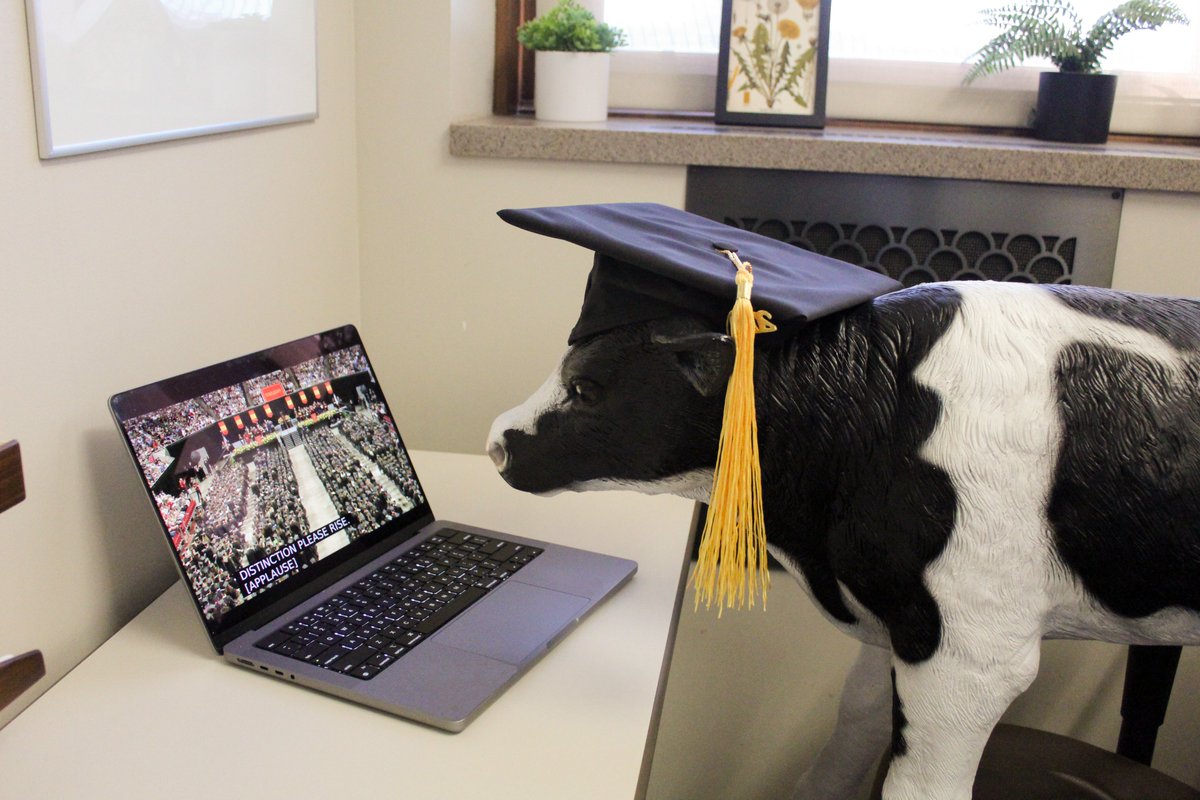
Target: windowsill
965	156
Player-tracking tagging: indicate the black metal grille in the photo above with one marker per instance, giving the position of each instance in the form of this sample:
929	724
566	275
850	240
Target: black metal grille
923	229
917	255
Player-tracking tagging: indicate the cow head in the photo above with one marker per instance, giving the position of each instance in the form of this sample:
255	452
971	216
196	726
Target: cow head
638	408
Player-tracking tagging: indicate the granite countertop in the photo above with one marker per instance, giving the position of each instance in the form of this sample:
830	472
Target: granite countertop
1012	159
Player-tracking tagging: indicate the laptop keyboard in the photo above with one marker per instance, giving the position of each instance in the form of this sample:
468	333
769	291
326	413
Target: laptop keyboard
367	626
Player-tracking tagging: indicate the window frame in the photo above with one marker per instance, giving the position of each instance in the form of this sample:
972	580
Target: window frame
512	80
998	103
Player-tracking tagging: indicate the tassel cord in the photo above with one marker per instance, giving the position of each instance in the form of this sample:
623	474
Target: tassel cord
732	562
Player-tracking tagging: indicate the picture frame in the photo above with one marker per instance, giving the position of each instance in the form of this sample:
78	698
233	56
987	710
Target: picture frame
760	78
110	75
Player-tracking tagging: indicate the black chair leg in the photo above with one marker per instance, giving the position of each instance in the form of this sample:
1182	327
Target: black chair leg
1149	674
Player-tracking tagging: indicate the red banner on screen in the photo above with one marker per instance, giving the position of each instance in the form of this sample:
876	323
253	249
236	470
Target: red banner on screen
182	537
272	392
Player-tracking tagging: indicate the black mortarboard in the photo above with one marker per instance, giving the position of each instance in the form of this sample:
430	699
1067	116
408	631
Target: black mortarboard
654	261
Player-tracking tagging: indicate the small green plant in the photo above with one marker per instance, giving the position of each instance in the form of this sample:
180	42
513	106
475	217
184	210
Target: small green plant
1053	29
569	26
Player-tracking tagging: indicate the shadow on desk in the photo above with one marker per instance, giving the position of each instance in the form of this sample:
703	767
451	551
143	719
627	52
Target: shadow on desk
136	567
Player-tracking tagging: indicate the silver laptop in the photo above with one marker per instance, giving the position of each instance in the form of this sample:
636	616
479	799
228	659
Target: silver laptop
310	548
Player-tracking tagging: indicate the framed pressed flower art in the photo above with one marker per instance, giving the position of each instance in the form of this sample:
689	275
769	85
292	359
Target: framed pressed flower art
773	62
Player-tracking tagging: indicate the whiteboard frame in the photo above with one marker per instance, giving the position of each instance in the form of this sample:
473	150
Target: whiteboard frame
100	113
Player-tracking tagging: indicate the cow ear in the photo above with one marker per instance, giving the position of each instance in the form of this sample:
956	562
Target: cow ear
705	359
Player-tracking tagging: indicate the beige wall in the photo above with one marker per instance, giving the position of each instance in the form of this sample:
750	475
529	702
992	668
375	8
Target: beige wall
462	311
1158	250
120	268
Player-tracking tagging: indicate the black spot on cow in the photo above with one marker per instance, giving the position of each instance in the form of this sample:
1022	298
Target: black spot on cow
1125	505
899	721
846	494
1174	319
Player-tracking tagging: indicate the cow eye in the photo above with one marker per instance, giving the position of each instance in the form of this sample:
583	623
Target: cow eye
584	391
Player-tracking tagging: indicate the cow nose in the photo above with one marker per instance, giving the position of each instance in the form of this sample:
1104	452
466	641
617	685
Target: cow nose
498	453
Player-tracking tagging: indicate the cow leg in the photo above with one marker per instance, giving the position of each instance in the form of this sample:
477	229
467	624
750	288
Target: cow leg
946	708
860	735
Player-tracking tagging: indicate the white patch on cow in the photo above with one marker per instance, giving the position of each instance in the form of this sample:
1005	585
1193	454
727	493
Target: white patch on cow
998	436
999	584
524	417
692	485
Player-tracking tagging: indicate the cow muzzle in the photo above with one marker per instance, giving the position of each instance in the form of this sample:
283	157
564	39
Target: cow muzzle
498	452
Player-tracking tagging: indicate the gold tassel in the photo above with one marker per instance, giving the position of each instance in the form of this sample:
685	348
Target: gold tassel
732	563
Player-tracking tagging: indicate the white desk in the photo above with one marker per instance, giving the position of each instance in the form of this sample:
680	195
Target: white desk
156	713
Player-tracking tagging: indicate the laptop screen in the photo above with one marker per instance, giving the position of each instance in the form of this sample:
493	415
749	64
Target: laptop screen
270	468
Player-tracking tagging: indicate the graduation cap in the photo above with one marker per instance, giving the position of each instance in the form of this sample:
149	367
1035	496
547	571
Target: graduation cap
653	262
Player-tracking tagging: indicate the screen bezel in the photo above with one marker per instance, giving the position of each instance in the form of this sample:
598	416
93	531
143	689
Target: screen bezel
190	385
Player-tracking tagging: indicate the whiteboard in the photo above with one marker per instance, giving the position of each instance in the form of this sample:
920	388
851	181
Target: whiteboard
117	73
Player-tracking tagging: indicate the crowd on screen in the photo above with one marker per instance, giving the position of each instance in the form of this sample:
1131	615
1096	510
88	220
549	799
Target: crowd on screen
250	508
347	361
173	509
278	512
216	548
151	433
311	372
225	402
354	490
376	439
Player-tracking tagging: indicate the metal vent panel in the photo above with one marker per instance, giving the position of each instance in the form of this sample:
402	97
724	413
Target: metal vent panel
920	229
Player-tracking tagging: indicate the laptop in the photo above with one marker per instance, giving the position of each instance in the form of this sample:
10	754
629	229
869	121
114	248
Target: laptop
310	548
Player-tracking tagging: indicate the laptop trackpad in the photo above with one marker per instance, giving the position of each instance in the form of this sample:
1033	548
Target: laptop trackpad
513	622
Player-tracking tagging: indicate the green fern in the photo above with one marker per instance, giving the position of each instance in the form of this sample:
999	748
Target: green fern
1052	29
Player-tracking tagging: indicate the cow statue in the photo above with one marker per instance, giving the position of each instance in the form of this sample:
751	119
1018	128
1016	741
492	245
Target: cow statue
953	472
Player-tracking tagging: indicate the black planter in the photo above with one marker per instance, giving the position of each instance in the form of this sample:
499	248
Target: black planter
1074	107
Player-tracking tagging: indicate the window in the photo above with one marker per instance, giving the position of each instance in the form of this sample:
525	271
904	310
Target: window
905	62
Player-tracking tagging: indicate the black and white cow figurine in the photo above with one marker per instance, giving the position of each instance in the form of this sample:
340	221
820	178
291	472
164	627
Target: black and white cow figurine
953	472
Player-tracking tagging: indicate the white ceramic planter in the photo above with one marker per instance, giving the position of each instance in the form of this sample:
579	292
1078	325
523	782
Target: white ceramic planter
570	87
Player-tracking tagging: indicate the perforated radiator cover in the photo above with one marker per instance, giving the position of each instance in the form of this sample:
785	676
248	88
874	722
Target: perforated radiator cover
922	229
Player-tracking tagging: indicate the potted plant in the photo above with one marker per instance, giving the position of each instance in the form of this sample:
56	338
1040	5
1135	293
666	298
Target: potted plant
1075	103
571	55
